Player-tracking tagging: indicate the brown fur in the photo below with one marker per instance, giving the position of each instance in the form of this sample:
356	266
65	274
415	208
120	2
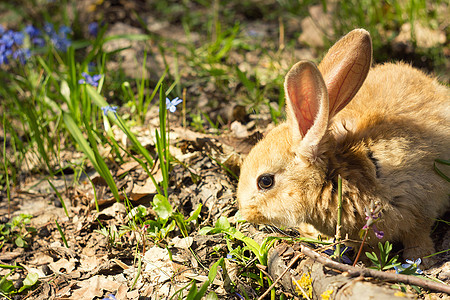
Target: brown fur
383	144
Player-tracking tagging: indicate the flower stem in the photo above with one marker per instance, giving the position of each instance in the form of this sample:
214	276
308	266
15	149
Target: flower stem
360	248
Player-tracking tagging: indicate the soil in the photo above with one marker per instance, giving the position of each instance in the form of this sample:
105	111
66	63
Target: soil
93	266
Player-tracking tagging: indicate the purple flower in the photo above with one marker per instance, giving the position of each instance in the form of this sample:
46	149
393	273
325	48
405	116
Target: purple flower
93	29
110	108
172	105
92	80
378	233
373	214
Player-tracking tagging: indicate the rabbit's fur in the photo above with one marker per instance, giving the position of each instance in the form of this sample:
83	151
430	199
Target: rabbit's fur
383	144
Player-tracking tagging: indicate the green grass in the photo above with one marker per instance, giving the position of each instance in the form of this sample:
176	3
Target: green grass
45	111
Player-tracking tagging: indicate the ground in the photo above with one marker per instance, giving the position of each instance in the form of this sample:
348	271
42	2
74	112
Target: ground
109	250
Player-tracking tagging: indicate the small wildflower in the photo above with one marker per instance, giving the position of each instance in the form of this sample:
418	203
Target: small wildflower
110	108
93	29
35	36
373	214
344	249
22	54
326	295
230	257
59	39
172	105
410	268
91	66
414	264
109	297
49	28
303	285
4	53
92	80
32	31
18	38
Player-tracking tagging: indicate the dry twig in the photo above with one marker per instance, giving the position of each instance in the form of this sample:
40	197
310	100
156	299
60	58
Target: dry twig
281	276
391	277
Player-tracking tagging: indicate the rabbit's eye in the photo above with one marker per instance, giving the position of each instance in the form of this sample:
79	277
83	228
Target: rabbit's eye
265	181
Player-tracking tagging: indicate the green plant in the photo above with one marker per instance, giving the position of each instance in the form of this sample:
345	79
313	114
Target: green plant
111	233
383	262
197	294
18	230
260	251
7	286
61	233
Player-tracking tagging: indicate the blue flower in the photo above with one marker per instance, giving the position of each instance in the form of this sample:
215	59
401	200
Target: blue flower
35	35
59	39
410	268
4	56
413	264
18	37
22	54
344	249
92	80
7	39
172	105
91	66
110	297
93	29
49	28
64	30
32	31
110	108
2	29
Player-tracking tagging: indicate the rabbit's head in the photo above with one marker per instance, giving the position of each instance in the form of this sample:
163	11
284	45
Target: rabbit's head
284	174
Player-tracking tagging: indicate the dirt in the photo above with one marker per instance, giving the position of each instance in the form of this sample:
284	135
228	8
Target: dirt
90	267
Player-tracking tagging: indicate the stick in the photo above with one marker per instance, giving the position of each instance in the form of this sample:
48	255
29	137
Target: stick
391	277
281	276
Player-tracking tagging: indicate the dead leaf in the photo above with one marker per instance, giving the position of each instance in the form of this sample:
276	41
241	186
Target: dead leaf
183	243
62	266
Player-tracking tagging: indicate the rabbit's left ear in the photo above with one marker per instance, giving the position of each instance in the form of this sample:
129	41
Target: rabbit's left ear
345	67
307	104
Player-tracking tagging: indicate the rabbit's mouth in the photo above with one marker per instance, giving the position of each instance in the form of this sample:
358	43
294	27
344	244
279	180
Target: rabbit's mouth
253	215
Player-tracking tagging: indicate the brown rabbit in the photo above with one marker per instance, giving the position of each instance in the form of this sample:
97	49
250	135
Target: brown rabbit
383	144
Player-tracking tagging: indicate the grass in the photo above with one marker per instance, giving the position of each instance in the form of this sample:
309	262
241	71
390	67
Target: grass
46	111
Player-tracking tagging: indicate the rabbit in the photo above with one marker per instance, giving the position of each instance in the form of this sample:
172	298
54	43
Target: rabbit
380	128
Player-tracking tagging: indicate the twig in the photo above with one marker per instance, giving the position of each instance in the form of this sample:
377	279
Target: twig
281	276
391	277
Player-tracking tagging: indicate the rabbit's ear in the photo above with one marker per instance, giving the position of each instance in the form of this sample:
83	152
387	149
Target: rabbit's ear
345	68
307	103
